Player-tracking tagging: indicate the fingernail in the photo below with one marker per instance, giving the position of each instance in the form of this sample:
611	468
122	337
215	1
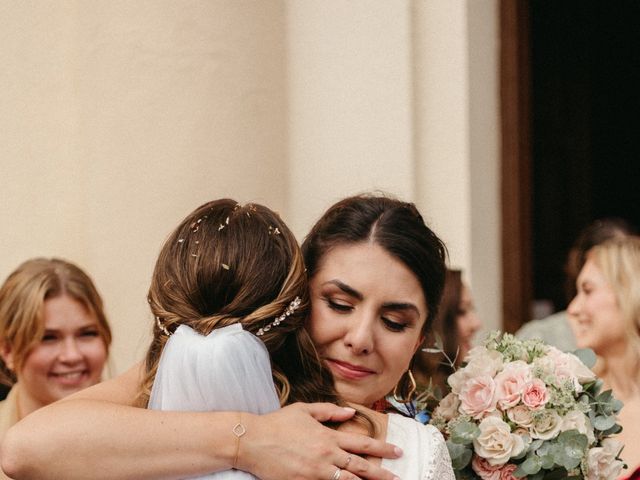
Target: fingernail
396	478
349	409
398	452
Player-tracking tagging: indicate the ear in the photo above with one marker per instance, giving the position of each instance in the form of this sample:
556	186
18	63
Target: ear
6	352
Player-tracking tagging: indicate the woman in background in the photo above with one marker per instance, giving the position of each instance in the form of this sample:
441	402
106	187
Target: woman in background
456	324
54	336
605	316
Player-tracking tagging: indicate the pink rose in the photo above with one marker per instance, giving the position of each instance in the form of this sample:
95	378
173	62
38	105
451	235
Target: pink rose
535	394
477	397
506	472
484	469
510	383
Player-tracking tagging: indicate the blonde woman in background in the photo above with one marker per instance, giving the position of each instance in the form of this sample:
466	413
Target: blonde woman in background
54	336
605	316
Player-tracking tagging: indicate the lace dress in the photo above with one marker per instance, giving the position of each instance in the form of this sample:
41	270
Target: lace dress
425	453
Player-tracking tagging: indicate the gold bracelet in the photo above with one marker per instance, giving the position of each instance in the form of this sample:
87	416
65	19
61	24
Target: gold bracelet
238	430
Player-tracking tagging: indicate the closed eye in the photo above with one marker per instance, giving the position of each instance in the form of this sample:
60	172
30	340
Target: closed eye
338	307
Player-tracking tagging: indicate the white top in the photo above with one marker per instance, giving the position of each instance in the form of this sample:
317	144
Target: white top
425	453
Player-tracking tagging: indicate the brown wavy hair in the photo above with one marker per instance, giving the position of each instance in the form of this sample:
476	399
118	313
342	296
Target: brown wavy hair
225	264
431	366
22	298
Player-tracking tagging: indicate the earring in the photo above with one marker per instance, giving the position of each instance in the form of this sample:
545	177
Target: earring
412	388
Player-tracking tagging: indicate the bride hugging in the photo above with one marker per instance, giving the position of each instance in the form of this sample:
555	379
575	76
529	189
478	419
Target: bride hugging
230	299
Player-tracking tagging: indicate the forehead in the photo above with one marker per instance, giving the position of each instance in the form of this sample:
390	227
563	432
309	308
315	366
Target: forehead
370	269
591	272
64	312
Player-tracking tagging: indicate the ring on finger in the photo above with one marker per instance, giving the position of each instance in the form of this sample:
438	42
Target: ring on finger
336	475
346	463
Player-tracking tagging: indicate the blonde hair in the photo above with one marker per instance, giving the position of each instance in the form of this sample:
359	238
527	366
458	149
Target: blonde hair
619	261
224	264
22	298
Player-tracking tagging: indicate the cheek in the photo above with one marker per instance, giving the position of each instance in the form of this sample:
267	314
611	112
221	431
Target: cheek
96	353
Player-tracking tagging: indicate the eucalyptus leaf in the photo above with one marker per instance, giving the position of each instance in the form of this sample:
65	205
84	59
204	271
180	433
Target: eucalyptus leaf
464	433
604	422
530	466
460	455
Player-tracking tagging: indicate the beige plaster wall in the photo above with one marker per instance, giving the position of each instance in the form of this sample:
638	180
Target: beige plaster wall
120	117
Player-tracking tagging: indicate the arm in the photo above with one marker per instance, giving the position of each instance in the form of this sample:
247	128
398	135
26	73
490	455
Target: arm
111	439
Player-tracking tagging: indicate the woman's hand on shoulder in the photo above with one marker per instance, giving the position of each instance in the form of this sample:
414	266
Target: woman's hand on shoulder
292	443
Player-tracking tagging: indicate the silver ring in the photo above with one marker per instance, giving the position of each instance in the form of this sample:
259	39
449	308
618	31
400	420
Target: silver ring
346	464
336	474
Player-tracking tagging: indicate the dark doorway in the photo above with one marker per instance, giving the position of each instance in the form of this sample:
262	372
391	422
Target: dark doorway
585	99
570	85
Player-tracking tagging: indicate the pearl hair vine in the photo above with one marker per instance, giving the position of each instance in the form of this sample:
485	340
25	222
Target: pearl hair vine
290	309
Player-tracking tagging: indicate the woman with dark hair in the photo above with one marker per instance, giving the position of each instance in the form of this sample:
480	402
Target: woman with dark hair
376	275
455	325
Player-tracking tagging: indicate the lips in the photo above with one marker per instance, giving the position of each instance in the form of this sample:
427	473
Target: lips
73	378
348	370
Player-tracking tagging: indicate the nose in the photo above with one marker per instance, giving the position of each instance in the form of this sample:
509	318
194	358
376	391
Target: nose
574	307
70	352
359	336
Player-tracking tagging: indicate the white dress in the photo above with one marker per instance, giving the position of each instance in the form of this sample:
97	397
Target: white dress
425	453
229	369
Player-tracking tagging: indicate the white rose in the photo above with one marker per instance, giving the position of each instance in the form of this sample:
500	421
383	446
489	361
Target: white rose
521	416
496	443
601	462
448	406
546	424
481	362
569	367
576	420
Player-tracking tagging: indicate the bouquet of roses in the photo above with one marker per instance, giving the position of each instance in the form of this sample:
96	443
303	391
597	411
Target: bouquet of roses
523	409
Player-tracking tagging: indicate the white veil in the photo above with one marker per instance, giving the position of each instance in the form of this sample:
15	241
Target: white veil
229	369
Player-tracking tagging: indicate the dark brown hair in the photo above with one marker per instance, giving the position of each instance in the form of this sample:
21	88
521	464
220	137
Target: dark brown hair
431	365
394	225
225	264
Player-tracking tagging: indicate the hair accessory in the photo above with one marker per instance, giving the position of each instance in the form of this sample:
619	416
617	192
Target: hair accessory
162	327
220	227
273	230
290	309
225	266
238	430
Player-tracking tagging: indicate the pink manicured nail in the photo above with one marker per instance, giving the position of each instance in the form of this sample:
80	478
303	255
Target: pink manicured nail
398	452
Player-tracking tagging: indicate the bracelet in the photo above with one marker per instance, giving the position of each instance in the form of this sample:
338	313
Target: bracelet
238	430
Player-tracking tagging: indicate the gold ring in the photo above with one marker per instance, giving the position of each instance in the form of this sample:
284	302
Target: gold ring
346	464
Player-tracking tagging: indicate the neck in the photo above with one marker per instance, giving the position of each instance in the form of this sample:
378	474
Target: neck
26	404
619	371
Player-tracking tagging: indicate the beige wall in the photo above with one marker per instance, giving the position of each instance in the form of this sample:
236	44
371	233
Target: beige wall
120	117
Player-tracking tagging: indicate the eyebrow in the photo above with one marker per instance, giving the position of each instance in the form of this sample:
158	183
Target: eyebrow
401	306
345	288
386	306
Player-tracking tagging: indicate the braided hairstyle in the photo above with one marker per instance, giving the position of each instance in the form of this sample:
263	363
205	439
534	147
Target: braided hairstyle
226	263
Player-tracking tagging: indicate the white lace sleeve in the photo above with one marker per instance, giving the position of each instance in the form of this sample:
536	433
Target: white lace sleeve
438	463
229	369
